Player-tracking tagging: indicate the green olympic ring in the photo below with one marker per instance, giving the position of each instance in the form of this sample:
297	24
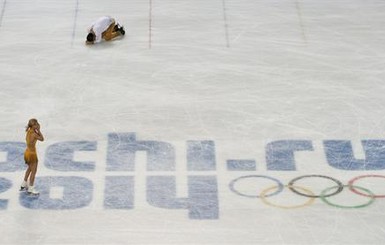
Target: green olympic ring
371	199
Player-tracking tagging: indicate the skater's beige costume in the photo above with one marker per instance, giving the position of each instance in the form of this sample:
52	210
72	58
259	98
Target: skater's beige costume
30	155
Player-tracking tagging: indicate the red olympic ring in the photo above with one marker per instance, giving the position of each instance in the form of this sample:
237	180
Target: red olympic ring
351	185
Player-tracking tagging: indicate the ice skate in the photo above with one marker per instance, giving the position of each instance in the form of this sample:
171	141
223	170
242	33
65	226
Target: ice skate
31	191
116	27
24	186
122	31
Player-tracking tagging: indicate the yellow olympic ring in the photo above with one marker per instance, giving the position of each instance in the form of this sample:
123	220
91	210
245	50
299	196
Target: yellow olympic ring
308	203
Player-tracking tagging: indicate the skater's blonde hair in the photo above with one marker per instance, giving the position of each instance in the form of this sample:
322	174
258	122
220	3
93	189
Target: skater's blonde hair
31	123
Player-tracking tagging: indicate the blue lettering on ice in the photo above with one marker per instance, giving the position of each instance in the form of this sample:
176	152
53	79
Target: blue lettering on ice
161	190
119	192
123	146
59	156
339	154
241	165
280	154
77	193
202	200
15	156
201	155
4	186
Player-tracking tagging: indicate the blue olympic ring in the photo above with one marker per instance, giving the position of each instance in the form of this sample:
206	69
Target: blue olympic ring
279	189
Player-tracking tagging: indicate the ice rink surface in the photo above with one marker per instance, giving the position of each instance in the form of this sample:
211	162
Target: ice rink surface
192	128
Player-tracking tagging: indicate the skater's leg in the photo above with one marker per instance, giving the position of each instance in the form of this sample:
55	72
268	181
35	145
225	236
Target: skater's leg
24	185
27	173
33	167
110	33
31	188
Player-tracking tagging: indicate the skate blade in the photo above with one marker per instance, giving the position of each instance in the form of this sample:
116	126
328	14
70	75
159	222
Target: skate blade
33	194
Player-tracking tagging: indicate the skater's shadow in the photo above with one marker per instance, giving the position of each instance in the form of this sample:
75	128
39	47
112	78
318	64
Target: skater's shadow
106	45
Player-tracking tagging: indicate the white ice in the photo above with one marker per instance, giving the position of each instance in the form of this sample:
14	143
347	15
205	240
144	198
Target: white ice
239	73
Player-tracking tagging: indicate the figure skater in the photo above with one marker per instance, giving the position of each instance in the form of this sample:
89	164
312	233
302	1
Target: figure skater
30	156
104	28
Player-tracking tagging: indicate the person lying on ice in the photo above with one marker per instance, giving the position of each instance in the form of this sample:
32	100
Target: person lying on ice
104	28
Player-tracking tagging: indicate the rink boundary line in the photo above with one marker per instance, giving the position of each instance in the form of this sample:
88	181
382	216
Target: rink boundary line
226	26
2	12
75	22
300	20
150	25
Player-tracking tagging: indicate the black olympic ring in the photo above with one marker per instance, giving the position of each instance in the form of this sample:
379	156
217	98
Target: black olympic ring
291	185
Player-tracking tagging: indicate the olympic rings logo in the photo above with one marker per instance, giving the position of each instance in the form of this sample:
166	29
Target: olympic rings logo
324	195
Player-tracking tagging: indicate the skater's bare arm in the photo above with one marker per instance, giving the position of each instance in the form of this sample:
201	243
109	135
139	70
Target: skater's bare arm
38	134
